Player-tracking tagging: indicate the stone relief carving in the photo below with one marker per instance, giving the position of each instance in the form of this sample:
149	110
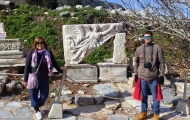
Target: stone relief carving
11	44
81	40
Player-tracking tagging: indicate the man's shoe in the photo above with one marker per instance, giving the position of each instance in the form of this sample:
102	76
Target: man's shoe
142	116
38	115
156	117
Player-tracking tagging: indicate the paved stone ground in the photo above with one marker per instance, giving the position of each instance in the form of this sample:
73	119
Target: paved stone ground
128	110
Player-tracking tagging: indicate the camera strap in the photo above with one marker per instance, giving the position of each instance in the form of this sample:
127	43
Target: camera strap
144	51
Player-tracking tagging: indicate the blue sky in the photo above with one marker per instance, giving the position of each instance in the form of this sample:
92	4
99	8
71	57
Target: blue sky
114	1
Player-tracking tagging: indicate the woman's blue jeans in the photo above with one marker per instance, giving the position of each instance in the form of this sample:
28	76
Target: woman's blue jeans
38	101
152	85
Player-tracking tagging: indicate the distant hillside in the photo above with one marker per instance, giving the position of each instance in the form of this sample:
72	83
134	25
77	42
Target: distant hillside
93	3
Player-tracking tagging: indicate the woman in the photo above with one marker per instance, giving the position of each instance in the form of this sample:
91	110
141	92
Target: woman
45	71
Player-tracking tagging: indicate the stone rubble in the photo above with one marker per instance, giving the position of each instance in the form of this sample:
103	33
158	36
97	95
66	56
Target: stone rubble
95	107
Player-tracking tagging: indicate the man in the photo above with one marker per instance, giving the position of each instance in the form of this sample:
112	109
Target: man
149	70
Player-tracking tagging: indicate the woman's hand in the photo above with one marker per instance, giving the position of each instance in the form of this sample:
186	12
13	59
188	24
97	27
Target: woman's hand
65	73
25	84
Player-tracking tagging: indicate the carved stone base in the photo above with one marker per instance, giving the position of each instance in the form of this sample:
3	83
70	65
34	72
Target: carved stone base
11	44
12	61
113	72
82	73
12	65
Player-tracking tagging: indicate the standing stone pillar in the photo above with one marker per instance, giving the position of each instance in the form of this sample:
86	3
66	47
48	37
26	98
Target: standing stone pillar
2	31
119	55
115	71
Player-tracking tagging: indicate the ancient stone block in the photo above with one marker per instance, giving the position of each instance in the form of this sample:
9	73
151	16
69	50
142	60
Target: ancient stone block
82	73
113	72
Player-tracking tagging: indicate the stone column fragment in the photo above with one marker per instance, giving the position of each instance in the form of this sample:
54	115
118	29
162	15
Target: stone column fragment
119	55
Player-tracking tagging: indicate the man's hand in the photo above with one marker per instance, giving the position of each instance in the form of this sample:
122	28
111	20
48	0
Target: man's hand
136	78
161	80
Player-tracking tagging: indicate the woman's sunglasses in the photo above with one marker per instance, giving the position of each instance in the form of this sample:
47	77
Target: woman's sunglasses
37	43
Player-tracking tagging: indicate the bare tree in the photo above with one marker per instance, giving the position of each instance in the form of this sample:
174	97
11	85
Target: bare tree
171	15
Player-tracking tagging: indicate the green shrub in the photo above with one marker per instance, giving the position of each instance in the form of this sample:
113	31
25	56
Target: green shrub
105	51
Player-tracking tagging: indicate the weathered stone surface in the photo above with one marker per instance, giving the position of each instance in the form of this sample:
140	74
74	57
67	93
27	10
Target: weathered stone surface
183	107
68	117
11	44
112	104
13	105
2	29
82	100
134	103
65	98
82	118
86	110
5	113
118	117
119	55
78	6
4	78
2	86
1	104
169	96
10	86
107	89
80	41
98	99
12	57
81	92
126	87
98	8
82	73
180	87
19	118
66	13
11	52
66	92
56	111
24	112
12	61
12	65
113	72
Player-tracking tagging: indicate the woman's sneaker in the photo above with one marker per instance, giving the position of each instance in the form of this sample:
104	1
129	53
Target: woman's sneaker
38	115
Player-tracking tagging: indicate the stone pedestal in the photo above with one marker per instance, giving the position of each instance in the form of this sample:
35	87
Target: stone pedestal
112	72
183	107
180	87
82	73
12	53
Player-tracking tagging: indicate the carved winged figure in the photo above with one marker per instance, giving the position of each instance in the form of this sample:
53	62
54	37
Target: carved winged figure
82	40
87	43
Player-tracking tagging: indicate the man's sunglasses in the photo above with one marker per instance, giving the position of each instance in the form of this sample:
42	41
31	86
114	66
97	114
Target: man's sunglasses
145	37
37	43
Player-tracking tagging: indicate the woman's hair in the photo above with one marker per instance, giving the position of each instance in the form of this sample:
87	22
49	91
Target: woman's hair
37	39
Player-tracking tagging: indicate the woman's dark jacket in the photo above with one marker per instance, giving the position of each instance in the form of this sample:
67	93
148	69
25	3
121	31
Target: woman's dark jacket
43	70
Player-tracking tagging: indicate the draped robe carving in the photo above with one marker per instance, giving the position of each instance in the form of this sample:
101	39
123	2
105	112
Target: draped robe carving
81	40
